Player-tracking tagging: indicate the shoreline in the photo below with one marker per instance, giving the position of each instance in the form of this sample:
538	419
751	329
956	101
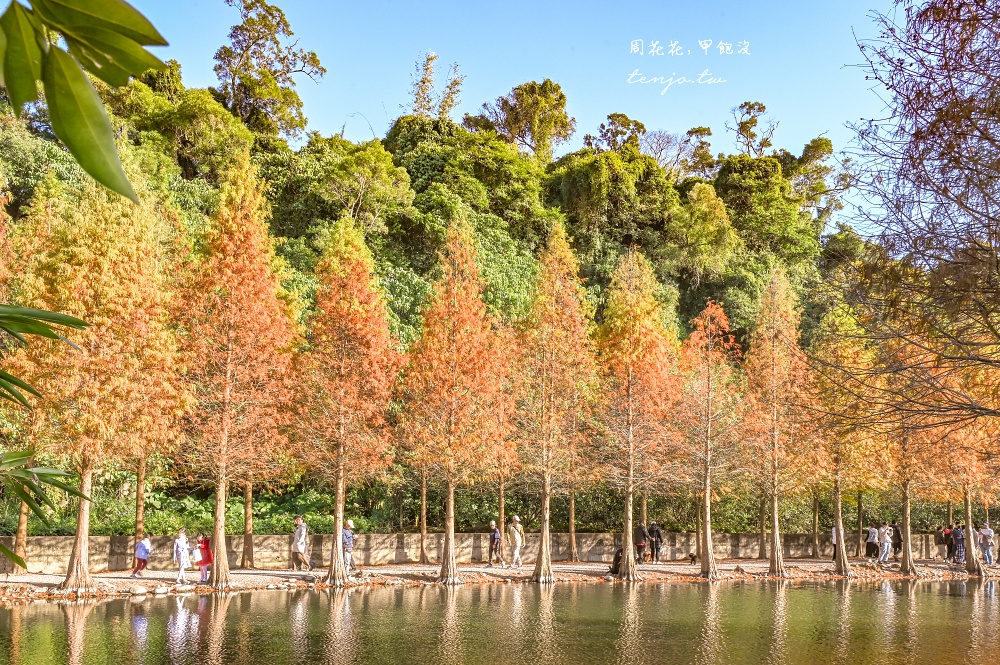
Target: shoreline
37	587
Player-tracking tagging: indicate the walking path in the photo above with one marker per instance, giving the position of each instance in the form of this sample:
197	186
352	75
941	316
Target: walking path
17	588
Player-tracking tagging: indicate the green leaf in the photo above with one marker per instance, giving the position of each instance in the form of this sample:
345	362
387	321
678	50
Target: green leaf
3	50
9	392
43	315
13	557
22	57
115	15
78	119
109	56
15	458
16	488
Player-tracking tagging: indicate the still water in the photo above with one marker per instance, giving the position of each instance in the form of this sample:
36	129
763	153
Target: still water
753	622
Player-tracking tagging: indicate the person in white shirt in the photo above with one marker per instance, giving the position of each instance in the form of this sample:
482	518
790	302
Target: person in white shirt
885	541
515	536
871	543
833	537
299	558
986	538
182	556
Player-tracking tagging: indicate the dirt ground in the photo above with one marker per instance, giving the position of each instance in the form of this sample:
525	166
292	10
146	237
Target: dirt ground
21	588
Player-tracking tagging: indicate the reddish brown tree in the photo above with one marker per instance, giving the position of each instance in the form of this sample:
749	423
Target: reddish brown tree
100	258
558	378
239	351
455	404
778	451
709	415
639	384
346	373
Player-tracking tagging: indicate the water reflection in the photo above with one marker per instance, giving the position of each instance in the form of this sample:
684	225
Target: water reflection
641	623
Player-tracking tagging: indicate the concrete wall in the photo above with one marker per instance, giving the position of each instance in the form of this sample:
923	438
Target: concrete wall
50	554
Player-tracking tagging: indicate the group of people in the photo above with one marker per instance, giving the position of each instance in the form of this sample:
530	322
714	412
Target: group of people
300	546
652	538
200	554
515	541
881	540
952	541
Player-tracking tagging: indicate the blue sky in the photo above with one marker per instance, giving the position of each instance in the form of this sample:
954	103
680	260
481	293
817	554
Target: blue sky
799	63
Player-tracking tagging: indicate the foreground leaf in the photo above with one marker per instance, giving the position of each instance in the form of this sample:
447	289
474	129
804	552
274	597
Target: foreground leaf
23	56
115	15
78	119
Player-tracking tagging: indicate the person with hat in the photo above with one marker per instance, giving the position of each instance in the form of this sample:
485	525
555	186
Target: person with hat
986	538
515	536
496	545
348	541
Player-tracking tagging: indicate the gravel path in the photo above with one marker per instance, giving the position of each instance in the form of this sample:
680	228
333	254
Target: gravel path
17	588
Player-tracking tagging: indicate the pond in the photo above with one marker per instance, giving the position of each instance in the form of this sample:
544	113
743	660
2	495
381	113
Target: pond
749	622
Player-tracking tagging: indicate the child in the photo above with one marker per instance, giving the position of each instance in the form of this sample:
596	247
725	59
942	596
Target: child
205	549
142	551
182	556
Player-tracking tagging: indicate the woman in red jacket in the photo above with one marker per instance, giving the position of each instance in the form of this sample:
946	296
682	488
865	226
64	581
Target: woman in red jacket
205	550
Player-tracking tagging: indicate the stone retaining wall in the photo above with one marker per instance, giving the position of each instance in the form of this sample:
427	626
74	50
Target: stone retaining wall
50	554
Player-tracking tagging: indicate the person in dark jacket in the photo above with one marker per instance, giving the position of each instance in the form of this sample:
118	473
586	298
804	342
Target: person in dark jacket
496	546
640	536
897	541
655	541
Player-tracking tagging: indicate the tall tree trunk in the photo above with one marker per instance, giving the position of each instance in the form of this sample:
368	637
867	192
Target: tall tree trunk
643	508
140	503
815	543
543	562
951	513
709	570
698	525
423	516
21	538
762	536
449	566
842	566
860	543
502	500
78	574
574	554
336	576
906	566
973	565
247	560
220	577
776	566
628	571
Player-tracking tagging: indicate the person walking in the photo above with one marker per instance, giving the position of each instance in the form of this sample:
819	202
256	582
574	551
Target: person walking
986	538
833	539
142	550
655	542
182	556
348	542
205	557
958	535
885	541
299	558
871	543
897	541
640	536
515	536
496	545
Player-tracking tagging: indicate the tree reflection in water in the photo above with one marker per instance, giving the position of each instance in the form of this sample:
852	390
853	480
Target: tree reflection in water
843	648
630	625
76	613
338	643
710	638
779	632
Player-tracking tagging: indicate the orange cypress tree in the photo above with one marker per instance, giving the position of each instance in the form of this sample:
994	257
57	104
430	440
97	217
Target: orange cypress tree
455	401
558	373
779	446
98	257
239	350
709	413
638	365
345	374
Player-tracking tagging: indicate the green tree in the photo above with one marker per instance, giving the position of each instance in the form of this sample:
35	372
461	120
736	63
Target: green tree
426	103
532	116
619	131
257	70
752	139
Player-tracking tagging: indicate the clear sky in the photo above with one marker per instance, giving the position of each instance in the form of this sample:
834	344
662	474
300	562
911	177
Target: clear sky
800	60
